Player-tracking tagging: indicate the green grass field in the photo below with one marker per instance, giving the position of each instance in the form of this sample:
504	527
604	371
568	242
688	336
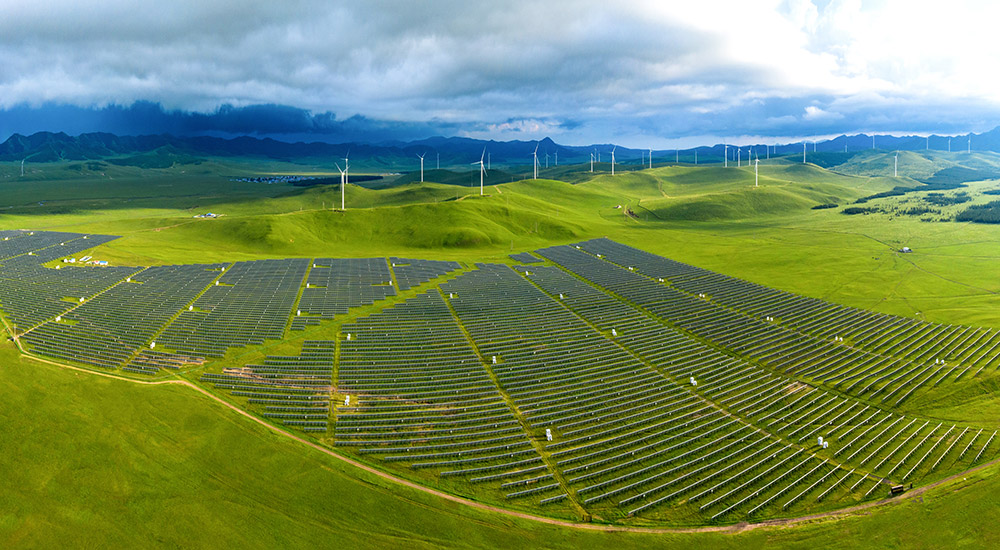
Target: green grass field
94	451
101	462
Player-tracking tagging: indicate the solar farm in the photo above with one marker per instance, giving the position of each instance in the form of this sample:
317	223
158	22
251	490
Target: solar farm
592	381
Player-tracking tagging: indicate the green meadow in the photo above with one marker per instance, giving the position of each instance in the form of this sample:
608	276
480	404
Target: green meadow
96	462
164	465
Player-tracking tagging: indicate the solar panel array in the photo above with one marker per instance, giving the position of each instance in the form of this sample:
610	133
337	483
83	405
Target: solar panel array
762	336
16	243
337	284
422	397
252	302
294	390
31	294
118	322
667	390
150	362
410	273
526	258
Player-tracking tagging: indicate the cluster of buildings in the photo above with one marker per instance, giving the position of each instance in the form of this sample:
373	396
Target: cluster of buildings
273	179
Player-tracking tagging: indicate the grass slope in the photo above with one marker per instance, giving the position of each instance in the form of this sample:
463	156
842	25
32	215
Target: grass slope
97	462
705	215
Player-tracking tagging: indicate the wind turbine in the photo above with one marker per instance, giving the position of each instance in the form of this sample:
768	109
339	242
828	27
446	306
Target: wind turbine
949	145
439	160
342	174
535	163
755	165
803	152
613	160
650	159
421	167
347	177
482	171
557	158
592	163
895	165
22	166
727	156
739	155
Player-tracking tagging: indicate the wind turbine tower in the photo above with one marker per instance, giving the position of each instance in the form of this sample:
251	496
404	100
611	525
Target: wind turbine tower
803	152
482	170
347	171
421	167
534	164
341	186
726	154
613	159
739	156
756	163
895	165
592	163
949	145
650	159
22	166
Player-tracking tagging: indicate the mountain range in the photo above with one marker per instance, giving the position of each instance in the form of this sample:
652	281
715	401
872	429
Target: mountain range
165	150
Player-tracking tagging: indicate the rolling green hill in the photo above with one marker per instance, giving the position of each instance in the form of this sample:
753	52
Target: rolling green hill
185	476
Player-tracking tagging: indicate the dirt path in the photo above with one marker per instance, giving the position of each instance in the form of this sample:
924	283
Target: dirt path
739	527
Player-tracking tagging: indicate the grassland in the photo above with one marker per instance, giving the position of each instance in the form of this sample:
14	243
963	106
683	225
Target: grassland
100	462
706	216
165	459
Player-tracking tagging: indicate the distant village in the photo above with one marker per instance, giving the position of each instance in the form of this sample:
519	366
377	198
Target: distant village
273	179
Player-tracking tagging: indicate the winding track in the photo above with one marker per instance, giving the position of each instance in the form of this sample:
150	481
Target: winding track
735	528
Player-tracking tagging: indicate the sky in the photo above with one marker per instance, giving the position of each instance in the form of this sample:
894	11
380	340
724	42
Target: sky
641	73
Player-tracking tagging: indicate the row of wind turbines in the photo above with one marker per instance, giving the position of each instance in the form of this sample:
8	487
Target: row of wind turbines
595	157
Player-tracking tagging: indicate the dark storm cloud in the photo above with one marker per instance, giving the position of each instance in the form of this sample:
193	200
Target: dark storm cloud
644	70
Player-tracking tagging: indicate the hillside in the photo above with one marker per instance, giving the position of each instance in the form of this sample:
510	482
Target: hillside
706	216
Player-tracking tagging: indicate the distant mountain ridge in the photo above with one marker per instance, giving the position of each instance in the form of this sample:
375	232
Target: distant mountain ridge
52	147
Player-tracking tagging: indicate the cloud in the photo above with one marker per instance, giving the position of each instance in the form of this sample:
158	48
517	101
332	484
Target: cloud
814	113
644	70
